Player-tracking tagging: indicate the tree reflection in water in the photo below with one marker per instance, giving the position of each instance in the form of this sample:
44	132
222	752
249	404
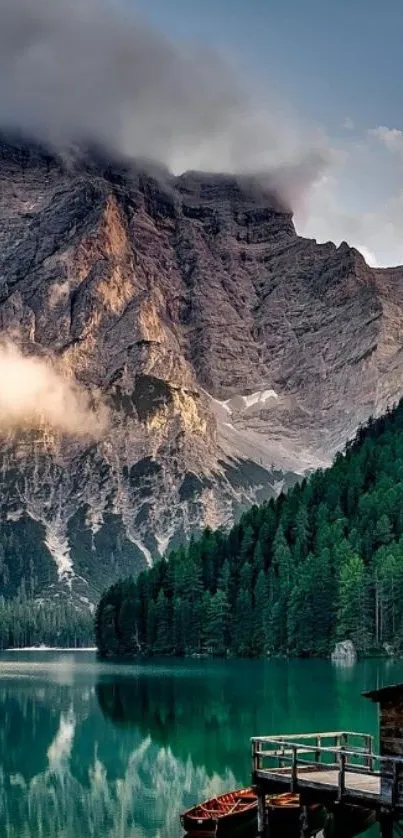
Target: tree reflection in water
118	752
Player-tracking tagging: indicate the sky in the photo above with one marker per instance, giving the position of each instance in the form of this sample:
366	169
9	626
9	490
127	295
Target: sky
305	94
334	68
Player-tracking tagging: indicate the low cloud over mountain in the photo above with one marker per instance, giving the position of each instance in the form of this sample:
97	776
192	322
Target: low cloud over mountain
88	70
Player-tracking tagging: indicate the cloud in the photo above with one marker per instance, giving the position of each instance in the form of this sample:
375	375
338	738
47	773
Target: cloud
375	233
360	198
91	71
294	181
390	138
348	124
88	70
368	255
35	395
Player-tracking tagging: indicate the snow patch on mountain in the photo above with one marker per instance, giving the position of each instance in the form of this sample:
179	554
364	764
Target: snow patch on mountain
260	397
240	403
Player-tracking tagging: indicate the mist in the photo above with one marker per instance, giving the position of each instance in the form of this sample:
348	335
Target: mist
78	71
35	395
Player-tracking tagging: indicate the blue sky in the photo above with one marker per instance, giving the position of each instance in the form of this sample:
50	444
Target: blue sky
329	57
336	65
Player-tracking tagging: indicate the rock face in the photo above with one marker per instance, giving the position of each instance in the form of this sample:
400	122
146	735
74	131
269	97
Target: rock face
344	653
232	354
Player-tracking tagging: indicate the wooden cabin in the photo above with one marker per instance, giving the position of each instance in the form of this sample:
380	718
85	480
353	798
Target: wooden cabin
390	701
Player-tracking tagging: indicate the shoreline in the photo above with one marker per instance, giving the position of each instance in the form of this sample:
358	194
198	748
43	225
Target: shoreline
136	658
50	649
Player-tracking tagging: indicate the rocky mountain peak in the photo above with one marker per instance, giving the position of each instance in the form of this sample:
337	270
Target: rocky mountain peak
230	354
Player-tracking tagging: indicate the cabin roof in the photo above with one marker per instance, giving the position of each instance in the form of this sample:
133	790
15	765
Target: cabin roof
393	691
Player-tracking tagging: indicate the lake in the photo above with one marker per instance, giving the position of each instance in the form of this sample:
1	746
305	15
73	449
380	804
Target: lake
107	751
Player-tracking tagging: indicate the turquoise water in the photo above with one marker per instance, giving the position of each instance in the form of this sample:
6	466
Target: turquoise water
98	750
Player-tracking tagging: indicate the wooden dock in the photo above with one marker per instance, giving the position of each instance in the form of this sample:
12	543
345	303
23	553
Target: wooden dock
334	768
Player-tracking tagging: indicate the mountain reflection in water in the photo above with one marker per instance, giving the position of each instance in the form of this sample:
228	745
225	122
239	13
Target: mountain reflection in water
118	752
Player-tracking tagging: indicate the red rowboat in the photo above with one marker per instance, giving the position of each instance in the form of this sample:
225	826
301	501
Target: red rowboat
237	810
226	812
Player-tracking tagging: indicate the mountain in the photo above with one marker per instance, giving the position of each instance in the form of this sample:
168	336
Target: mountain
295	575
231	354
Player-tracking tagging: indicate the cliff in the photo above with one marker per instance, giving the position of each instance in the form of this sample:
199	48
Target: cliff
230	353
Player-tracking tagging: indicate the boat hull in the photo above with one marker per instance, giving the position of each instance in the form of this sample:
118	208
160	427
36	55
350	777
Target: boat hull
284	812
228	813
286	820
227	824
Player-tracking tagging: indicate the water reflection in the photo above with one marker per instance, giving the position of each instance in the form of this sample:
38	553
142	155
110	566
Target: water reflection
65	771
90	750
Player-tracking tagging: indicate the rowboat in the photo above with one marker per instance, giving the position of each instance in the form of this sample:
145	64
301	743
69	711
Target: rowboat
224	813
285	815
237	810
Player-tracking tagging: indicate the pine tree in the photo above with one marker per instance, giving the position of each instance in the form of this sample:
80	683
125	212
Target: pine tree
323	562
260	614
127	624
352	601
163	640
247	544
383	530
178	627
217	624
242	624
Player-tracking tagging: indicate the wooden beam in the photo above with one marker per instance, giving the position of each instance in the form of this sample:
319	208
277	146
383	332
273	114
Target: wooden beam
260	811
342	777
294	772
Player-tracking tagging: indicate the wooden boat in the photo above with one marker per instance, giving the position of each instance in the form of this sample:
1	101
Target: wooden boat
284	812
237	810
224	813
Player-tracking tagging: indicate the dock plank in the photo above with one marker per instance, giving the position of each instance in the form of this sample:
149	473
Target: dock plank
357	785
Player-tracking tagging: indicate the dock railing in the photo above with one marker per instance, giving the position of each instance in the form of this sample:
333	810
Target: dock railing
342	763
297	755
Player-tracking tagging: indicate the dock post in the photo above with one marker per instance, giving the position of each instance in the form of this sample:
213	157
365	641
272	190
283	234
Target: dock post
303	821
261	811
386	826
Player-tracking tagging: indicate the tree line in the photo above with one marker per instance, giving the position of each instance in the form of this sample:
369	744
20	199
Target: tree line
322	563
27	622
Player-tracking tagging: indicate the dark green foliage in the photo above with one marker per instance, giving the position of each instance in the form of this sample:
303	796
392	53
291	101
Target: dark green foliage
322	563
26	622
24	572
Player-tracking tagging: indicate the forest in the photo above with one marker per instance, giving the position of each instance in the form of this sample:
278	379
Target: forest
28	622
322	563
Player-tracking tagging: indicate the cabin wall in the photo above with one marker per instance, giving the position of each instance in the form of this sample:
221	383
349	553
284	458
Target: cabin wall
391	744
391	728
